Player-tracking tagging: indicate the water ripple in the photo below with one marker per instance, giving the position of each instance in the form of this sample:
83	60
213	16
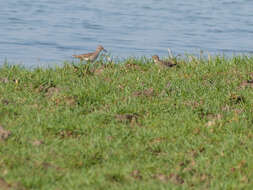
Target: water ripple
45	31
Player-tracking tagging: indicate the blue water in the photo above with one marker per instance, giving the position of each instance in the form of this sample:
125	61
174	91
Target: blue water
49	31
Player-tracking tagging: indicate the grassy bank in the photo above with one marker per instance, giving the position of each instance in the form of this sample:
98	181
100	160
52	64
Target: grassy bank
131	125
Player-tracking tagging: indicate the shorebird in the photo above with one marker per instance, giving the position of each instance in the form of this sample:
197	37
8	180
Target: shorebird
90	56
162	63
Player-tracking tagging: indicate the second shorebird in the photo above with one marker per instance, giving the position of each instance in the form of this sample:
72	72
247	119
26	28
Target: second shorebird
90	56
162	63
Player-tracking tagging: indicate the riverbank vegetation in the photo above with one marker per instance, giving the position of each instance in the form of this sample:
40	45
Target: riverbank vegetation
131	125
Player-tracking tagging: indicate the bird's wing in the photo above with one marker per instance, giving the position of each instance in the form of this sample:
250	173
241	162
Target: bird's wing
169	64
83	55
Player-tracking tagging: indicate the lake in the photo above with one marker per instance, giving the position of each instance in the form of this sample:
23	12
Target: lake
45	32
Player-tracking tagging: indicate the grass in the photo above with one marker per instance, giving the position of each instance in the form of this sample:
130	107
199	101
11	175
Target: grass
131	125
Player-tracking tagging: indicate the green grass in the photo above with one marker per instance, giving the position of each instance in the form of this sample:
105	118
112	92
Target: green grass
130	125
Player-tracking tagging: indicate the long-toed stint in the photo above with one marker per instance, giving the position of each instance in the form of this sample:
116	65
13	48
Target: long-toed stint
162	63
90	56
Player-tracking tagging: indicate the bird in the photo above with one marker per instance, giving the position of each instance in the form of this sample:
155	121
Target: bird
90	56
162	63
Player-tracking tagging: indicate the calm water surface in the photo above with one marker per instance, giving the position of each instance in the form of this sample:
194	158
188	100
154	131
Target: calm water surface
46	32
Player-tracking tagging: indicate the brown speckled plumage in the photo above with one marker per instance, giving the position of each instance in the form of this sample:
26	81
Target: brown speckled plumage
162	63
90	56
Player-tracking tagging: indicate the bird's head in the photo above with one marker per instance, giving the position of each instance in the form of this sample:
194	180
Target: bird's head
100	48
155	57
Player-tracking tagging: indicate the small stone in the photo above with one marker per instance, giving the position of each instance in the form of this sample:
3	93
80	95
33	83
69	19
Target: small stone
37	142
4	134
